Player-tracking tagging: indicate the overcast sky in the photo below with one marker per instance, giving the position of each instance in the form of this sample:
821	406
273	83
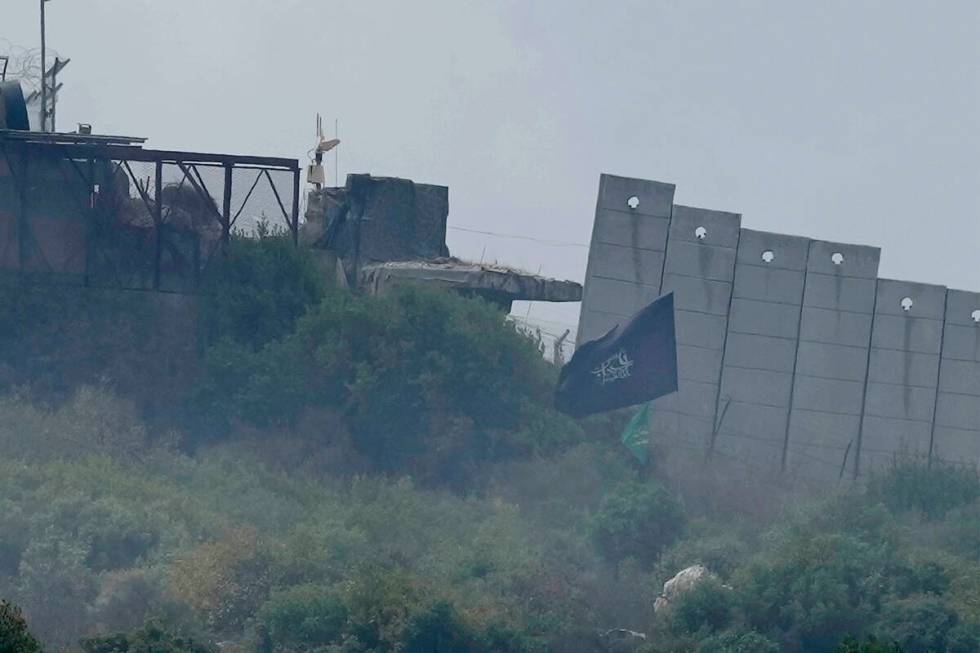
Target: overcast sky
854	121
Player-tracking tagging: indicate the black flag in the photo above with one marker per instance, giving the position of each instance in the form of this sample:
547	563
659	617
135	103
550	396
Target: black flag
633	363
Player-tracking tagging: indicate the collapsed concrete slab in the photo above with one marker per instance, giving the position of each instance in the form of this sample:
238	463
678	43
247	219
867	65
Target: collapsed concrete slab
494	283
379	231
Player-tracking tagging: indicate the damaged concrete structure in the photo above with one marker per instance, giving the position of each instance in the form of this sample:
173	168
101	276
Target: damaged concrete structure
376	232
794	357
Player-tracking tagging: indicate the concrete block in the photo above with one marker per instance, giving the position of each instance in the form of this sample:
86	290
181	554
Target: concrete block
789	252
956	445
834	327
768	284
700	260
700	329
765	318
702	295
839	293
906	333
961	342
828	395
883	438
960	306
630	230
906	368
761	387
858	260
654	197
617	297
626	264
760	352
721	229
961	377
698	363
958	411
927	300
904	402
841	362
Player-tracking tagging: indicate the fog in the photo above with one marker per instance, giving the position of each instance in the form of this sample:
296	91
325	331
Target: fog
266	462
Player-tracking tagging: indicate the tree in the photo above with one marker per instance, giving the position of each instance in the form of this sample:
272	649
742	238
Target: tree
14	635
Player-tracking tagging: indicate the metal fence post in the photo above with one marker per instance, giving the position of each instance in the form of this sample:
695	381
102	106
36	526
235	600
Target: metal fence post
294	226
226	207
158	221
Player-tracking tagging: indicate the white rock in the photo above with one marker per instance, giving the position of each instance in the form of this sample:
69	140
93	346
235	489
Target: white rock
684	581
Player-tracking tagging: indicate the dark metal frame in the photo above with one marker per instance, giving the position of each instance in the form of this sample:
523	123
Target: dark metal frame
19	149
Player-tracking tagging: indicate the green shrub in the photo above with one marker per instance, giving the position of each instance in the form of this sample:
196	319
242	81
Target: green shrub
431	384
963	638
151	638
14	635
303	617
932	488
637	520
919	624
721	554
257	288
438	628
813	589
738	642
870	645
707	607
55	588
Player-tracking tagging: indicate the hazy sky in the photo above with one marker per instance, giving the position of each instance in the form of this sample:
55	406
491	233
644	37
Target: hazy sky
854	121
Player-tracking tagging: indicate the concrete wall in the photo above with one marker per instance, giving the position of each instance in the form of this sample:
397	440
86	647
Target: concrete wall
793	355
956	426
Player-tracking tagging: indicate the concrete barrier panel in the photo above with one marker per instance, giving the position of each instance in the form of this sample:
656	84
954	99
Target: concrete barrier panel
956	425
760	356
898	408
835	338
629	241
700	268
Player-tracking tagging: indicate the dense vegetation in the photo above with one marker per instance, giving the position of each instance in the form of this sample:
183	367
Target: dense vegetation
351	474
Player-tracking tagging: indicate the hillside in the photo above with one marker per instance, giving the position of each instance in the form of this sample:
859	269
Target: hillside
279	466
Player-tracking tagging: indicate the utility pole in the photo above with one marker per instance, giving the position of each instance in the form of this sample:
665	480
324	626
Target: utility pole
44	81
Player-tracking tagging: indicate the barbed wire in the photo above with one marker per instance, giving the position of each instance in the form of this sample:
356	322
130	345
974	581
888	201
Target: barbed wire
24	64
541	241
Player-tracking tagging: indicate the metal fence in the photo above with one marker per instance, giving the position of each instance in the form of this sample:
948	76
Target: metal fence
113	214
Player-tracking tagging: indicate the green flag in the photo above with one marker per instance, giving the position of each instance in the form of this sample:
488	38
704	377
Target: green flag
636	435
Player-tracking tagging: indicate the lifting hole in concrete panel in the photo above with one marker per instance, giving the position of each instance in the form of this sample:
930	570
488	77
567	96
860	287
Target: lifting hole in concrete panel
768	256
700	233
976	316
907	303
837	258
633	202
